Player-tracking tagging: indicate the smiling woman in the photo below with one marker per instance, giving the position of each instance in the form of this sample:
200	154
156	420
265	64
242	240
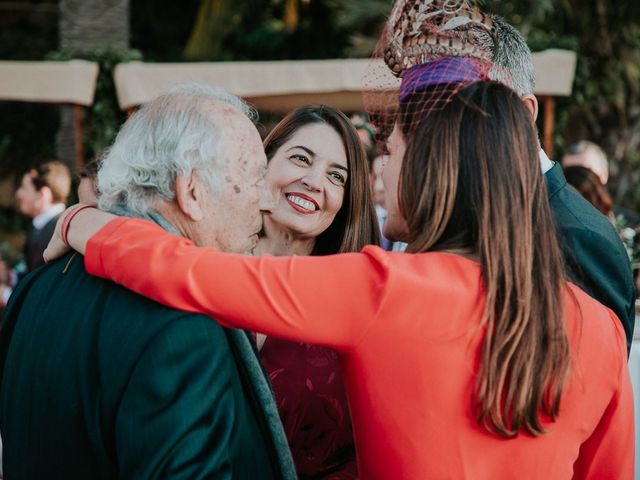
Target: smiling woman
318	174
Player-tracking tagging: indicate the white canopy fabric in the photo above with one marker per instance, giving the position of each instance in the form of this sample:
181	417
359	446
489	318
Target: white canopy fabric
555	72
280	86
275	85
49	82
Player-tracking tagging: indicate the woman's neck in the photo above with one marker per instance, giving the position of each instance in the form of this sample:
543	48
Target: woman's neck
280	242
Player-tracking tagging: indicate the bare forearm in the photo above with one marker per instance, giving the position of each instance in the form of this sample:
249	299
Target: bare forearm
84	226
77	232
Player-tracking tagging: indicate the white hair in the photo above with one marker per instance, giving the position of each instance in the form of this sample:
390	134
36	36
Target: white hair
173	133
511	55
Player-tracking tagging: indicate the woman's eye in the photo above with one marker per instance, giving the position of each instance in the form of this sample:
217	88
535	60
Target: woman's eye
337	178
300	159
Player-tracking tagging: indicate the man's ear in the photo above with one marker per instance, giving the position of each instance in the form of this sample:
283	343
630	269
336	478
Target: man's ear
46	196
531	104
190	194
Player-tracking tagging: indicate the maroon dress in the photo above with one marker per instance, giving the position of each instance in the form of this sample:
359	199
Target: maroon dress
311	399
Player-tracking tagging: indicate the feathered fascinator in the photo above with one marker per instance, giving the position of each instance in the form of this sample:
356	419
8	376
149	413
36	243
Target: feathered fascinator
419	31
428	51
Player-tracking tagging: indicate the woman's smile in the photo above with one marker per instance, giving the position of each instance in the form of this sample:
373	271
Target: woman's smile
302	203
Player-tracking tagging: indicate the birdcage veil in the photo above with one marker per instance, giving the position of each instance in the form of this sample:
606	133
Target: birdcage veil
427	52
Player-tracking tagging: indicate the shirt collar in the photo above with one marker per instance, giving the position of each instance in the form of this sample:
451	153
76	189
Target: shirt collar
39	221
545	162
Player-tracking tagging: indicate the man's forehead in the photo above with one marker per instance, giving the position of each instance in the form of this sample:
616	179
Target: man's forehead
232	121
223	113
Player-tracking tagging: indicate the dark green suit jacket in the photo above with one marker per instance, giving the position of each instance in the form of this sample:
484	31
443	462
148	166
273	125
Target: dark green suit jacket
98	382
595	257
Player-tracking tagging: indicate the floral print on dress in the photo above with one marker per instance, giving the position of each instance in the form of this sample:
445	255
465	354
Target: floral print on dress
312	403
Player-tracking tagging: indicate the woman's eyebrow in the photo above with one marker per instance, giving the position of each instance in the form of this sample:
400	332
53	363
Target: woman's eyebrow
309	151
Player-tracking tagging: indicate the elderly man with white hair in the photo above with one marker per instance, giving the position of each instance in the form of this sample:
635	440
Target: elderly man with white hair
99	382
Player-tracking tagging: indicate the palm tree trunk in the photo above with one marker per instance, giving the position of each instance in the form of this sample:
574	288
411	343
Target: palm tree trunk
87	25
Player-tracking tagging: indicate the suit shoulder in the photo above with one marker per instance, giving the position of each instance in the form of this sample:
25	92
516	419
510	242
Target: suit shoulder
66	292
575	211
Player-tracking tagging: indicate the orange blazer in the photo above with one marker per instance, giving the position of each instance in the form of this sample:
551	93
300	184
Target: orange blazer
407	329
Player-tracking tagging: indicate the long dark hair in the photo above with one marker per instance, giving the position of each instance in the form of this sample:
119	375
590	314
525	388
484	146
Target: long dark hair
588	184
471	181
355	224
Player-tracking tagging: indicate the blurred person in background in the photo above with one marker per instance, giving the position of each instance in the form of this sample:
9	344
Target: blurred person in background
42	196
87	187
591	156
366	133
6	285
10	262
589	185
588	155
376	166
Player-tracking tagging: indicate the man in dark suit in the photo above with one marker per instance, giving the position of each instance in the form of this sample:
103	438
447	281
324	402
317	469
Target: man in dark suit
42	196
595	257
98	382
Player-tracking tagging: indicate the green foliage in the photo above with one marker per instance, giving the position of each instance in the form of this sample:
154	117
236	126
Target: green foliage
28	29
161	28
268	30
11	221
27	134
364	20
104	117
215	20
628	235
605	104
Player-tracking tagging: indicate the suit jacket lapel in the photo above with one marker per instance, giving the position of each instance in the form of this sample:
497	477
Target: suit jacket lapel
555	180
250	367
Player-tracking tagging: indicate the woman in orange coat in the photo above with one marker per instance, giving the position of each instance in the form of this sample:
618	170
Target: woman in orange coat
471	357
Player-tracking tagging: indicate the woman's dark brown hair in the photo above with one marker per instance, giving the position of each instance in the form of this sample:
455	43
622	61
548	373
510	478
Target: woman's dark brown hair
588	185
471	181
356	224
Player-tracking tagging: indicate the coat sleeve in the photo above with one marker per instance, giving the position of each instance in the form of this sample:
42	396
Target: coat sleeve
609	452
329	300
175	419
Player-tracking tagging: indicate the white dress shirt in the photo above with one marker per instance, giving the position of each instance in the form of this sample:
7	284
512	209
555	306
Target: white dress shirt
39	221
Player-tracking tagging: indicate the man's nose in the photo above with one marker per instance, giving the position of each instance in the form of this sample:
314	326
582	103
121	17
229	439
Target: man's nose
267	200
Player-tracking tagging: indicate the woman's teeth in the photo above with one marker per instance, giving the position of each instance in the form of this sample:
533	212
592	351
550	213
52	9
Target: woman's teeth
301	202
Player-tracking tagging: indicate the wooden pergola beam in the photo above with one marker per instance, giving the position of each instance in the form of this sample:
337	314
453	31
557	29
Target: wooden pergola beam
549	111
